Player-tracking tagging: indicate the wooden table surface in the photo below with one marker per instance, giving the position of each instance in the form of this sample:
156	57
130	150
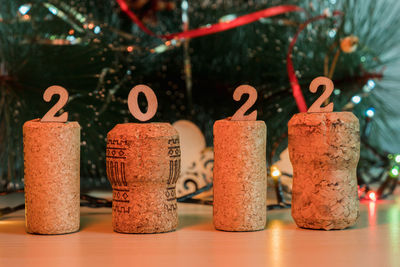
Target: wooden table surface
374	241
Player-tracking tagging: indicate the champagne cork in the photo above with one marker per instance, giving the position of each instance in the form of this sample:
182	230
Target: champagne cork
324	149
52	178
143	165
240	175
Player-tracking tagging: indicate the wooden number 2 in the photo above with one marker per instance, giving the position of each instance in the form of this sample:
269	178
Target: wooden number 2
133	105
47	96
237	95
317	82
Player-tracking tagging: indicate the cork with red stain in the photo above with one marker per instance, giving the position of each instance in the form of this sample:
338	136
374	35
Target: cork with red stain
324	149
240	175
52	177
143	165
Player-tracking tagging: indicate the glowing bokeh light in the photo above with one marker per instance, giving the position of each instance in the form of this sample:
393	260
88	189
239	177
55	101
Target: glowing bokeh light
227	18
97	30
24	9
53	10
394	172
370	112
356	99
275	172
332	33
371	84
372	196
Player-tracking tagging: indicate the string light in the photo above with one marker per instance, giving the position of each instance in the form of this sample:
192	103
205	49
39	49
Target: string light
332	33
97	30
228	18
371	84
73	40
164	47
336	92
372	196
394	172
24	9
370	112
53	10
356	99
275	172
185	7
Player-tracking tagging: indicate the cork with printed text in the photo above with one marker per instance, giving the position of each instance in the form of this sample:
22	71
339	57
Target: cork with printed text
143	165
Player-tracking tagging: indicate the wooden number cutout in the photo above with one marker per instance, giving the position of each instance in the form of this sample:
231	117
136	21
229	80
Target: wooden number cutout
50	116
237	95
133	104
317	82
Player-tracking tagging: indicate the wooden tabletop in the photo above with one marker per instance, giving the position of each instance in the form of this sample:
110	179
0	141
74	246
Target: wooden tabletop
374	241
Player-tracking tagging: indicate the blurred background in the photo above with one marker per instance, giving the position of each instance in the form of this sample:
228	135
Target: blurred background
96	51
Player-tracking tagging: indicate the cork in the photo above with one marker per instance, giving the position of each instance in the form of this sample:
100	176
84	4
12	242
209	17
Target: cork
240	175
143	165
52	178
324	149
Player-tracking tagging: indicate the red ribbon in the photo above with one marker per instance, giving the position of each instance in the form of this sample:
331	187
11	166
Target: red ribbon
237	22
240	21
215	28
125	8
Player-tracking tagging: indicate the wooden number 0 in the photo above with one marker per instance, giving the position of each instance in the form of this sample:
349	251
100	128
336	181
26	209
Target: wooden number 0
237	95
151	102
317	82
47	96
